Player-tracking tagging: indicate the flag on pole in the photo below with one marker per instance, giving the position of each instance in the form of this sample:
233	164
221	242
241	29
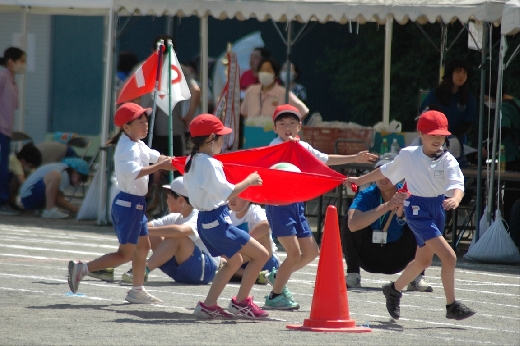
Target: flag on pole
178	86
142	82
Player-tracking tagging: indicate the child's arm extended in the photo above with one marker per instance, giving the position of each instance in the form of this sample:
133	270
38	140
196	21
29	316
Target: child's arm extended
252	179
367	178
453	202
164	162
170	231
361	157
260	230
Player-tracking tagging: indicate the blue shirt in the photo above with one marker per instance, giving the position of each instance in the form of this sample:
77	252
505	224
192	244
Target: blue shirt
370	198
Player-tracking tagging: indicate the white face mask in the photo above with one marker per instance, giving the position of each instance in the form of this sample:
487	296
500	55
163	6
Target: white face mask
19	68
266	78
283	77
490	104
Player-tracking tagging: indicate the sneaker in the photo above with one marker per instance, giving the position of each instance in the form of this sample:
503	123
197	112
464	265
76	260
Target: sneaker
271	277
419	284
459	311
7	210
262	280
353	280
215	311
141	297
280	303
247	308
129	277
393	298
103	274
77	272
54	213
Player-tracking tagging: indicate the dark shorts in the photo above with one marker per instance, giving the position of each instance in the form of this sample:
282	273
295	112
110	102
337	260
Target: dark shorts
426	217
217	233
200	268
128	215
287	220
37	198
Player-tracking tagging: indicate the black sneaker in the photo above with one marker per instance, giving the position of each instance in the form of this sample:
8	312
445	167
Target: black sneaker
458	311
393	298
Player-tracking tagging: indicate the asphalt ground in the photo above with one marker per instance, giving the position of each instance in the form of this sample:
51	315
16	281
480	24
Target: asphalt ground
37	307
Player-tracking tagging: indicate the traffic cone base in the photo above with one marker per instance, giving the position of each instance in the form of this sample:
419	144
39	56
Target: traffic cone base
329	309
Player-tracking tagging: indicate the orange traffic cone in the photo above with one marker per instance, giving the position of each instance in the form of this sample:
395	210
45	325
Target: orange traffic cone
329	310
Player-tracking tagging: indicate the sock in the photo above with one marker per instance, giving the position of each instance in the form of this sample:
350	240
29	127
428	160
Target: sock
450	305
273	295
146	270
138	288
393	287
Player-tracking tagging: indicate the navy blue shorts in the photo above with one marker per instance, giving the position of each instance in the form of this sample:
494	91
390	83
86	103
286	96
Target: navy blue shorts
198	269
426	217
287	220
273	262
37	198
129	217
217	233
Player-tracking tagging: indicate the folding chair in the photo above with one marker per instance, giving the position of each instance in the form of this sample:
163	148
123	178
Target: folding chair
80	142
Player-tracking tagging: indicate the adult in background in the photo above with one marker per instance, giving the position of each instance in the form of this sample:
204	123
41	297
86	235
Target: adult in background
297	89
368	213
250	76
455	100
14	63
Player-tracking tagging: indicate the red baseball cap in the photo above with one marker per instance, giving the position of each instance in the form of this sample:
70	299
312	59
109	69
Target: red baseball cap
207	124
128	112
286	109
433	123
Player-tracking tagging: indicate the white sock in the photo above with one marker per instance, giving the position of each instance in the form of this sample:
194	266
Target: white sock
138	288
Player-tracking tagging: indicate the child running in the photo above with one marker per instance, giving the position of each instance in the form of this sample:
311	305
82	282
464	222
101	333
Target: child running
132	160
208	191
288	222
436	184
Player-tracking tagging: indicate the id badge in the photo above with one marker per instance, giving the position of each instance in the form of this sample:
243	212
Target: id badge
379	237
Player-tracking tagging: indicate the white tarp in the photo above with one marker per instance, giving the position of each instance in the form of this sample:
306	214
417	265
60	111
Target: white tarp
69	7
340	11
511	18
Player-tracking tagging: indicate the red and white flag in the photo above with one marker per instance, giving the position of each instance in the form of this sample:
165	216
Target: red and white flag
177	89
142	81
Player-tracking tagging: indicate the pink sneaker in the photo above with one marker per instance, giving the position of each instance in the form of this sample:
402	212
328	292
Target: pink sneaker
215	311
246	308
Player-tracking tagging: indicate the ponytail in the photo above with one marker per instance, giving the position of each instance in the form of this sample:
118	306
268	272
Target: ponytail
115	138
197	142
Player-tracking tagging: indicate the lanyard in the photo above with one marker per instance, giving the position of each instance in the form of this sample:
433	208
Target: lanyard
262	101
382	218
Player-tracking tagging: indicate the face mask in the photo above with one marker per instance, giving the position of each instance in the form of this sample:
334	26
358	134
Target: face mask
490	104
19	68
266	78
283	77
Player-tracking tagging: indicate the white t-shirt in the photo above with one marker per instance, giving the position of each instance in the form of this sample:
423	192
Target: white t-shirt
206	183
254	215
26	188
130	157
424	176
190	220
318	154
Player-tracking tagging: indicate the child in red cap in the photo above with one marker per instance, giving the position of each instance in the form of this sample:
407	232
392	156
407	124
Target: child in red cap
436	184
133	161
208	191
288	222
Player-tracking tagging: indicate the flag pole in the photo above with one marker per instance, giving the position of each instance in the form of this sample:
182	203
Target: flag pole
170	125
158	49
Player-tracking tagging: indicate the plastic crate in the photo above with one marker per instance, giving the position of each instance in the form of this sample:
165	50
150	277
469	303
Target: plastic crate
349	140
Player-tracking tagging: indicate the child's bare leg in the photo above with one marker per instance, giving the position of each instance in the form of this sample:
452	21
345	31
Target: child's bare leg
182	248
443	250
52	185
310	251
139	260
222	278
258	256
155	242
292	248
123	255
423	259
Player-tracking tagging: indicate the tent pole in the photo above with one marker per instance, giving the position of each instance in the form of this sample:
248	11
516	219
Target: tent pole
444	38
289	49
485	37
107	105
23	43
203	67
388	53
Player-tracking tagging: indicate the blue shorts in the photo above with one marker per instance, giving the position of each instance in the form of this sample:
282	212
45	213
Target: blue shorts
198	269
287	220
129	217
273	262
428	220
217	233
37	198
